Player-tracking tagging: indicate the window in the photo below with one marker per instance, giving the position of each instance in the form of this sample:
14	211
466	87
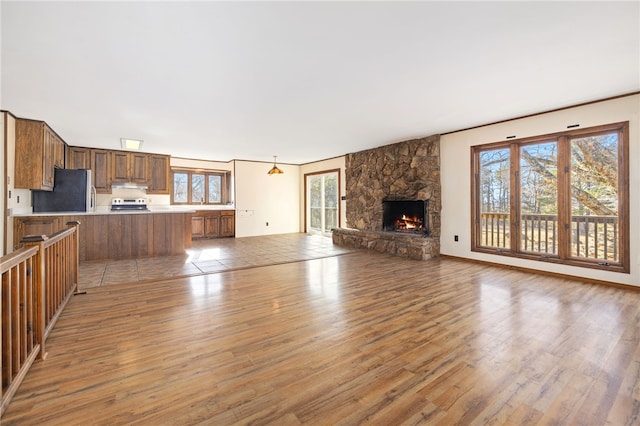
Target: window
563	198
200	187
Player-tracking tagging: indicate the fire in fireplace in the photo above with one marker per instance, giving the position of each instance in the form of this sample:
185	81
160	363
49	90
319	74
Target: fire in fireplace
408	216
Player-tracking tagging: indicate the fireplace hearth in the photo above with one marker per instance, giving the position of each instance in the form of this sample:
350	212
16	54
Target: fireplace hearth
406	216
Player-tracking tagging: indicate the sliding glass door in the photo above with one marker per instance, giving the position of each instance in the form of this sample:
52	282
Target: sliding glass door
322	191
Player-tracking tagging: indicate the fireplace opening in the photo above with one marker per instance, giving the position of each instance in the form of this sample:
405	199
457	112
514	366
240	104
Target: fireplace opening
407	216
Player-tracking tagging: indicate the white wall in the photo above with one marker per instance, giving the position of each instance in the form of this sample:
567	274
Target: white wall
262	199
3	171
321	166
455	151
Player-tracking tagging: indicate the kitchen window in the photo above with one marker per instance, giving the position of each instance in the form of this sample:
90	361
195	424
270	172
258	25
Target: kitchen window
195	186
560	198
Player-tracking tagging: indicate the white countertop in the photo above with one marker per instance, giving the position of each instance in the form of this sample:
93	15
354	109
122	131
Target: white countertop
106	210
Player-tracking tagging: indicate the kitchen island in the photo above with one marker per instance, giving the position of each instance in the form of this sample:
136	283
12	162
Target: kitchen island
115	235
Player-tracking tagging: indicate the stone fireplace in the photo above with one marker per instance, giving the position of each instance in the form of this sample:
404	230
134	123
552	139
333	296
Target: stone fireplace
407	171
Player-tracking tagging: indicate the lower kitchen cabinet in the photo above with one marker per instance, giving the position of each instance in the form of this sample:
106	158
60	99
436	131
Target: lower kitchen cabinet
37	225
227	223
213	224
197	227
116	235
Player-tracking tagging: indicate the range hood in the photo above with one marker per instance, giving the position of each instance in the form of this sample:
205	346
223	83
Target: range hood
129	185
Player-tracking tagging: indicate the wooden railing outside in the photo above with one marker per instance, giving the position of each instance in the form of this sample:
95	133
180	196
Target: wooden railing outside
593	237
37	282
539	233
495	230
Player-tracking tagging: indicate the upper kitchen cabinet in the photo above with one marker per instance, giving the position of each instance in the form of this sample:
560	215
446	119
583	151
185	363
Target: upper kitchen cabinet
78	157
128	167
101	169
159	172
39	151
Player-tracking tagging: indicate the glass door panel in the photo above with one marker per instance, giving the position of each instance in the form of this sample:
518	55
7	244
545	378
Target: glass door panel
322	202
594	197
494	198
539	198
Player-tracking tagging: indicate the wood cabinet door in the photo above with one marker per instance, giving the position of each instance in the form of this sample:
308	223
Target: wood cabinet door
119	166
212	226
138	167
78	158
159	173
197	227
227	224
48	159
29	152
101	168
58	152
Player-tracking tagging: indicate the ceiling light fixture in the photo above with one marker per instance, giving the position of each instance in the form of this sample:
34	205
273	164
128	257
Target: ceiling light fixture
131	144
275	170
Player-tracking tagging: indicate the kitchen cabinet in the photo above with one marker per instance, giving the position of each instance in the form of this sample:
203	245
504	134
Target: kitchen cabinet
39	150
38	225
101	170
111	166
227	223
197	227
213	224
158	179
116	235
78	158
59	148
128	167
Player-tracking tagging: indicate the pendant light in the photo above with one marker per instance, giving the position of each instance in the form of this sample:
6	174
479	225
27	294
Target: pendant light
275	170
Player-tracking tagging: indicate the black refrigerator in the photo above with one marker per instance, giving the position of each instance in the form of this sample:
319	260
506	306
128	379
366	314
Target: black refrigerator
72	192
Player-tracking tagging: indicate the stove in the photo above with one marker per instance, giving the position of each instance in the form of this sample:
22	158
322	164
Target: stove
129	204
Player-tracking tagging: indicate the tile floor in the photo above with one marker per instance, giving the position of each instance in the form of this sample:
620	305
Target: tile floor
206	256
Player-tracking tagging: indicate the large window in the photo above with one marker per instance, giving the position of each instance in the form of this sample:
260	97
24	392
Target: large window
199	187
561	198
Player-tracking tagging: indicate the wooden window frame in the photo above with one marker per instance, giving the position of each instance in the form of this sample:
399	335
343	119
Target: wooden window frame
225	185
564	198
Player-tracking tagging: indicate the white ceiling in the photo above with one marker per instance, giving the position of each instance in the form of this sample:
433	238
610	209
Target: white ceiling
304	80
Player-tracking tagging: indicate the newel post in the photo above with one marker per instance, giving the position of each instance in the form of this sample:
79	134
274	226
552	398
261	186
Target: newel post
38	274
75	250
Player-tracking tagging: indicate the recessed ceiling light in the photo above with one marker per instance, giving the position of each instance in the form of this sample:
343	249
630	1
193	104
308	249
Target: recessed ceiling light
132	144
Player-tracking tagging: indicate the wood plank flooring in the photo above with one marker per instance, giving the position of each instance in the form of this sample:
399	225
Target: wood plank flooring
361	338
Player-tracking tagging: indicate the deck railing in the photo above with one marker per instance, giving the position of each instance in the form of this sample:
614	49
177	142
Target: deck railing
37	282
593	237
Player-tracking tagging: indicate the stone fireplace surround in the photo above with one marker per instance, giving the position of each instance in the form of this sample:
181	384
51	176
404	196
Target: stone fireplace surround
408	170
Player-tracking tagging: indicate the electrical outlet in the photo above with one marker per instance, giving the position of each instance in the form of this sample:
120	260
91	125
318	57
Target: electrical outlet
455	238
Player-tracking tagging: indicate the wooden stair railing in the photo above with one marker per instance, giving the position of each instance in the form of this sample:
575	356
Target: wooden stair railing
37	282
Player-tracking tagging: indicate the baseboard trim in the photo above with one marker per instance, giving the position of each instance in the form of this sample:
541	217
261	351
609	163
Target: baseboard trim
547	273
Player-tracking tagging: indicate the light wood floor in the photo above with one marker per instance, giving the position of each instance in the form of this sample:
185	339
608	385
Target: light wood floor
357	338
